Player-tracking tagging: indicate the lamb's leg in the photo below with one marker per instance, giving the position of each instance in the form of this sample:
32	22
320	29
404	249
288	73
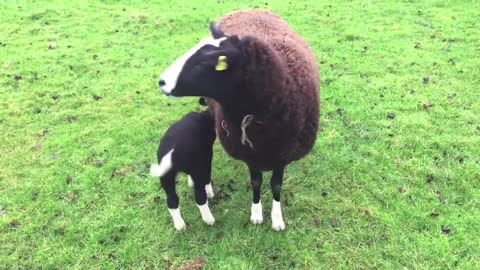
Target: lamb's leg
208	184
276	185
208	187
168	184
201	197
256	216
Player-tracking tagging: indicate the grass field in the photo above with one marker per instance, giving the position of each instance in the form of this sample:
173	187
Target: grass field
393	181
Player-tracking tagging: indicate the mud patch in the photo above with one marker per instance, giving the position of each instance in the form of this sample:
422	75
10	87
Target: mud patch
197	264
72	119
445	229
335	222
71	197
99	163
14	224
441	199
425	105
120	172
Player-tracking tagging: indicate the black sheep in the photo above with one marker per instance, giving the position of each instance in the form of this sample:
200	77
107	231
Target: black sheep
187	147
262	84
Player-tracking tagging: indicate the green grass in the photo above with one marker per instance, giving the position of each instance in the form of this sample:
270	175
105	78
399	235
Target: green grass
397	156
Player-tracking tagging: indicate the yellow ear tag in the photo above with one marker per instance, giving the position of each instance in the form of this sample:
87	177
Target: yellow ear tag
222	63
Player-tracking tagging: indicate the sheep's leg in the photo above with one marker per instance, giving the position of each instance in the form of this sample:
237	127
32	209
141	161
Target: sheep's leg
201	197
168	184
276	185
256	179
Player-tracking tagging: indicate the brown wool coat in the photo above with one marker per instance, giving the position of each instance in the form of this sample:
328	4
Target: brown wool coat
283	93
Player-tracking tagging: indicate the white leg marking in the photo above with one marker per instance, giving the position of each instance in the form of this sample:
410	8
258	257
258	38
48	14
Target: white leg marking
209	190
256	216
164	166
206	214
277	219
170	75
177	219
190	181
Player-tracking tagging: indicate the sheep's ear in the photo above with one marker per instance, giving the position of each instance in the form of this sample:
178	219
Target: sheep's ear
216	31
234	39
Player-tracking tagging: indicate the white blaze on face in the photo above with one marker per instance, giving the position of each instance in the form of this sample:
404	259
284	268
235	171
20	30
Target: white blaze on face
168	79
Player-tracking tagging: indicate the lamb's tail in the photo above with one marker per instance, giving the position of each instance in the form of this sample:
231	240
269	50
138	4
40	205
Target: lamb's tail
164	166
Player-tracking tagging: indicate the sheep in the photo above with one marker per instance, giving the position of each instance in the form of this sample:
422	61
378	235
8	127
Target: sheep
187	147
262	87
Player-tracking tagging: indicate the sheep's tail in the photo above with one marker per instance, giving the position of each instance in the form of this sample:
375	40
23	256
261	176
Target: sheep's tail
164	166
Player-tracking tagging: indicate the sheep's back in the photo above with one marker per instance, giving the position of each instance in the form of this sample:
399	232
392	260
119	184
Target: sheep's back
269	27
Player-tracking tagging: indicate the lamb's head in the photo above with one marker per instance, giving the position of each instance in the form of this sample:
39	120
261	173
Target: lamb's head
212	68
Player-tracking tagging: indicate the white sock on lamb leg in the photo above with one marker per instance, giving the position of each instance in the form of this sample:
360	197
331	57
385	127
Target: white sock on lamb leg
206	214
209	190
256	216
277	218
178	221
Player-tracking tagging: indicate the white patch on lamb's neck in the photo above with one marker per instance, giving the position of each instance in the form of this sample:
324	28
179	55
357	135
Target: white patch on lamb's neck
170	75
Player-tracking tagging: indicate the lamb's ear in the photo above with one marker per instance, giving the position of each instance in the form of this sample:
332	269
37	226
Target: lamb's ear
216	31
202	101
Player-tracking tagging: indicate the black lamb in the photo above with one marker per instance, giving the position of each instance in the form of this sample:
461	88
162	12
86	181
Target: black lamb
187	147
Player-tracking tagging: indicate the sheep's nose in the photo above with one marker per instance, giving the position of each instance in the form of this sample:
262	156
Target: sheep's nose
161	83
164	87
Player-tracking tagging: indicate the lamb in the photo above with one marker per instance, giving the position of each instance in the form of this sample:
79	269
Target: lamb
262	87
187	147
